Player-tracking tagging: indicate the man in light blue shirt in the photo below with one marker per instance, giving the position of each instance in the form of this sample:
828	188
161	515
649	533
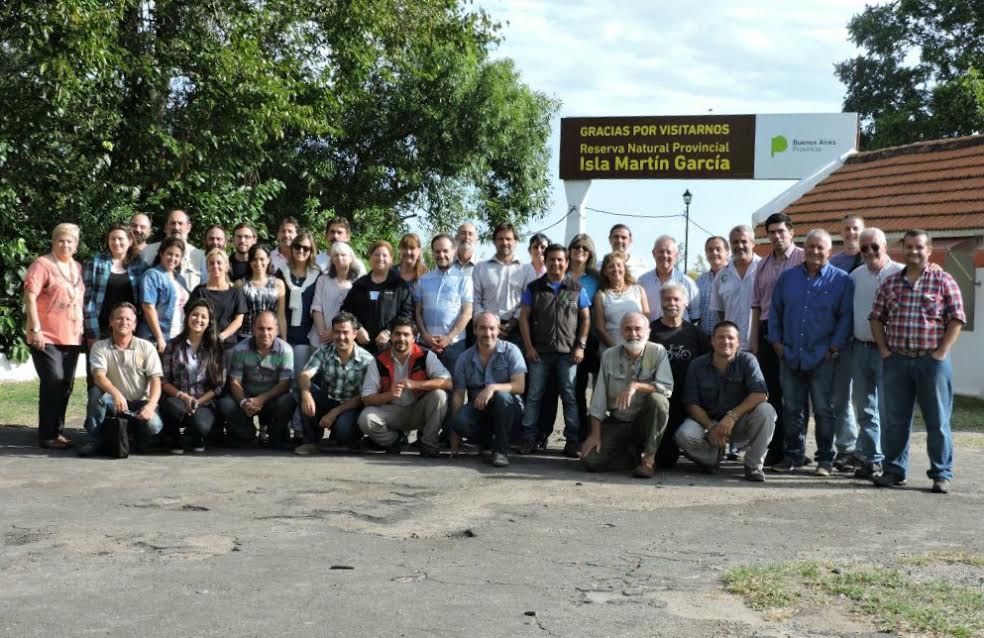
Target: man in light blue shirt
444	303
809	324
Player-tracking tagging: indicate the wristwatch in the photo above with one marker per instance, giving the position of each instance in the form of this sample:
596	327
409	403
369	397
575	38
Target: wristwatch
36	330
581	344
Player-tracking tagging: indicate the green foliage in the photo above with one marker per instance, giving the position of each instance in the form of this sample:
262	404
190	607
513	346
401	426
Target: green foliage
920	75
380	110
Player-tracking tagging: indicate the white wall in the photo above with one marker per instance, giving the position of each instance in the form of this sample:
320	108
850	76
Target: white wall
25	371
968	371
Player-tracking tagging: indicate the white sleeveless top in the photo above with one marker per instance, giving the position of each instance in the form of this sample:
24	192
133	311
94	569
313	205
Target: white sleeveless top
617	305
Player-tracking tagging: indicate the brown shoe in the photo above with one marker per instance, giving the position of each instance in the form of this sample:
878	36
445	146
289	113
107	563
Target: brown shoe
644	471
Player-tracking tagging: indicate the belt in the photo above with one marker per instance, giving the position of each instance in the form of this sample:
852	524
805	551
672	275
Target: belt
912	354
866	344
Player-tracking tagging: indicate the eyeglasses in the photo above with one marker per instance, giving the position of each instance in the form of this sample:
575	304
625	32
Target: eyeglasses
875	248
581	247
301	249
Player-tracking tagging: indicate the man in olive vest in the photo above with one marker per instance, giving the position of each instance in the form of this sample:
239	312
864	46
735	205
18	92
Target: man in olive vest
553	321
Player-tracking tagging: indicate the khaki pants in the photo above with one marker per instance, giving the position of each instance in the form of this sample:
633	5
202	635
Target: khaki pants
384	423
753	431
622	442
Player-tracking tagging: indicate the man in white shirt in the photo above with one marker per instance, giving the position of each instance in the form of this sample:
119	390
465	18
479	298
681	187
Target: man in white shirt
286	233
869	389
499	283
665	251
734	286
620	239
179	225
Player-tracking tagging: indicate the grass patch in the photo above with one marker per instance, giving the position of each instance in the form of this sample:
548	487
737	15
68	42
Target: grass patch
968	414
20	404
893	599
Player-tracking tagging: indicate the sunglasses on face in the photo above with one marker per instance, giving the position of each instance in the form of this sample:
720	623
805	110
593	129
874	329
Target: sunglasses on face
580	247
875	248
302	249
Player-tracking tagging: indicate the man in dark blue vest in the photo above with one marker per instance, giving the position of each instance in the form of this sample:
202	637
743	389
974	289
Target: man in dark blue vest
553	321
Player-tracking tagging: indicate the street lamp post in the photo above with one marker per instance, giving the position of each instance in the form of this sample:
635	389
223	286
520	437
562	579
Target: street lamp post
687	198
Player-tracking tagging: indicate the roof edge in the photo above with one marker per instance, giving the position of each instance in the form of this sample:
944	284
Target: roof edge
927	146
786	198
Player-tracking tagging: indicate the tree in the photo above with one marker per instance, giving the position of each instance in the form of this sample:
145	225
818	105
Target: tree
380	110
919	77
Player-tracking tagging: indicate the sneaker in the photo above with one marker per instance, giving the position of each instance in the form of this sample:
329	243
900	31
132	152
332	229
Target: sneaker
823	469
941	486
754	475
307	449
572	450
847	463
868	471
889	480
541	442
397	447
500	460
783	466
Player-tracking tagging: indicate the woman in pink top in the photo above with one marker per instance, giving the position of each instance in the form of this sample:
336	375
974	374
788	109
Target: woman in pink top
53	297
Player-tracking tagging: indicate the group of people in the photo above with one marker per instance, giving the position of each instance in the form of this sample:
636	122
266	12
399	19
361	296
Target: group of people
285	345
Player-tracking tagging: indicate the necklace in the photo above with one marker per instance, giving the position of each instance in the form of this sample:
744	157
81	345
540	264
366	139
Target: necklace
72	288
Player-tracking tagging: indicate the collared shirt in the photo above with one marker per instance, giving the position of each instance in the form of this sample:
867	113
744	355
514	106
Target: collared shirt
129	369
810	315
705	287
618	369
767	274
471	374
259	373
651	283
340	381
732	294
158	289
466	267
498	287
184	369
866	285
95	275
915	315
717	393
441	293
191	261
435	370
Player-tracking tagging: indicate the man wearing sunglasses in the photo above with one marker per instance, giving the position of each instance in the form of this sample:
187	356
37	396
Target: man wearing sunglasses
869	389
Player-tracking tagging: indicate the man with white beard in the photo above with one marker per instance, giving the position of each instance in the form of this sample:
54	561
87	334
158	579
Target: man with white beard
630	404
466	239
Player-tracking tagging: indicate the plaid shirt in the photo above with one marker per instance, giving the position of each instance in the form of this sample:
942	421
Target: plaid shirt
915	315
259	373
340	381
95	276
705	285
177	371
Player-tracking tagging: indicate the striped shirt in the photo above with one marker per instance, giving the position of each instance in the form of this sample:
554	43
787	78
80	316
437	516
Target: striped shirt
767	274
915	315
705	288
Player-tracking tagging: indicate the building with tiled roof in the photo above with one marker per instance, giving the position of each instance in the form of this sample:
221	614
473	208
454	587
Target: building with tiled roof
937	186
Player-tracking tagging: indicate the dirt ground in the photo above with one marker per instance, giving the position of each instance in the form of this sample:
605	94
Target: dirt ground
256	543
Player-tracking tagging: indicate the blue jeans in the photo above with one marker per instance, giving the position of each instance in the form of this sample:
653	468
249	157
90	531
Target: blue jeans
869	400
930	382
846	427
100	407
800	388
449	356
559	366
345	429
491	428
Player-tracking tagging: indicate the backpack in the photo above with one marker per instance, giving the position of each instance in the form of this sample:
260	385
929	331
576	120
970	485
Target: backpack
116	440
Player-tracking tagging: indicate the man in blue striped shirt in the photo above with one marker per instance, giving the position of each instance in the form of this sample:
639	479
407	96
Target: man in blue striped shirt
809	324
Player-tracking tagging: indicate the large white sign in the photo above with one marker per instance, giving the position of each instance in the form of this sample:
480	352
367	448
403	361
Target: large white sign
794	146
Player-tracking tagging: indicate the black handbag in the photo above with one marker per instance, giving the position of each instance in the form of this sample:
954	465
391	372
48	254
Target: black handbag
116	439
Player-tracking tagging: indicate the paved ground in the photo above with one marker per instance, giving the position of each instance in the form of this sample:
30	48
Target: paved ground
258	544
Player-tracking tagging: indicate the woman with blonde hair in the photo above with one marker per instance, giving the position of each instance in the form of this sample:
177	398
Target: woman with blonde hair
228	303
300	274
618	294
53	300
411	266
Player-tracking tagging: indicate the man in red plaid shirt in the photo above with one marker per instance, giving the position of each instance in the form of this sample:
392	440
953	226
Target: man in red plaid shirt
916	319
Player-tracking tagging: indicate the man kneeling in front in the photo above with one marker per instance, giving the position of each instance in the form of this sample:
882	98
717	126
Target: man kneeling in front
630	404
726	399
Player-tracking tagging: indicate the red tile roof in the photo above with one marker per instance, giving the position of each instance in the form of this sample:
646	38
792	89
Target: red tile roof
936	185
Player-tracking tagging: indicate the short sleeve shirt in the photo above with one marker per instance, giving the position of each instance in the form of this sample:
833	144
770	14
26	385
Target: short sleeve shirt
440	294
472	375
717	393
259	373
435	370
129	369
59	301
340	381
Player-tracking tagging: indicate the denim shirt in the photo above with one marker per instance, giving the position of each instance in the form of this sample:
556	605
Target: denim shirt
157	290
810	315
471	374
95	275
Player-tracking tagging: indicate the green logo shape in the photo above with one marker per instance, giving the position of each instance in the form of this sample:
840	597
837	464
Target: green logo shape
779	144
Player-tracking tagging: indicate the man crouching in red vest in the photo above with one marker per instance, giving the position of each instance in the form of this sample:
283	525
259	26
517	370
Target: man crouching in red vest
406	390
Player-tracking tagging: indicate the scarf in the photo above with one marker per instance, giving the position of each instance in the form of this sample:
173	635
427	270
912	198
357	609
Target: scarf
296	302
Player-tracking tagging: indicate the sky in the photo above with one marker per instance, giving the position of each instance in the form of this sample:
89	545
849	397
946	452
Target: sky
654	57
